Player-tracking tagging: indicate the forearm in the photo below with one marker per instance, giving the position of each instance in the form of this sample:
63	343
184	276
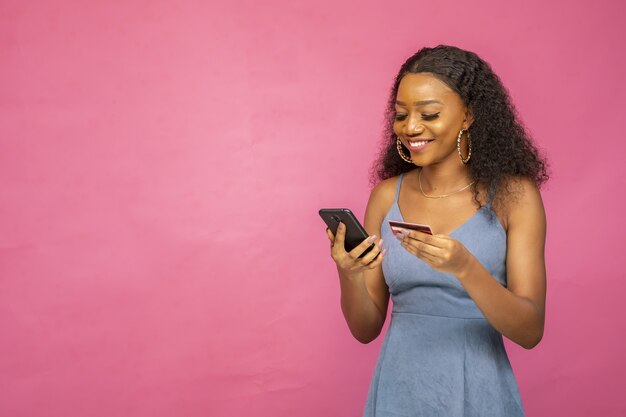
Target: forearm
517	318
364	319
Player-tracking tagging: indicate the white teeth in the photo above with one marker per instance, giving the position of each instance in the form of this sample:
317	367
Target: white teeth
418	143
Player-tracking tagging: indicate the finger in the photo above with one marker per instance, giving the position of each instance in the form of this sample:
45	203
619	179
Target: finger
338	249
340	236
371	255
419	247
430	260
424	256
415	245
362	247
420	236
400	234
431	240
330	234
408	247
379	260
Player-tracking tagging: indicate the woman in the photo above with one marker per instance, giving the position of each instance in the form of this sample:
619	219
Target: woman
457	159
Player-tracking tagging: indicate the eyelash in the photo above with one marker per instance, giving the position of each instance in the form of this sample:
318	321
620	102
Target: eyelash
427	117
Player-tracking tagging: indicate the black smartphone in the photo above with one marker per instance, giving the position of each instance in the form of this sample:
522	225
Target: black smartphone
355	233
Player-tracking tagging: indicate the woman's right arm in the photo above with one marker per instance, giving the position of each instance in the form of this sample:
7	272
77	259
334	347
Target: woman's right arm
364	293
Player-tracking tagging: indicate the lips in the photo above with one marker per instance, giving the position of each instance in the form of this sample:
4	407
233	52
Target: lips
418	144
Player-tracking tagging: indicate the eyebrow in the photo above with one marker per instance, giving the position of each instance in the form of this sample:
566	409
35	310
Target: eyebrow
420	103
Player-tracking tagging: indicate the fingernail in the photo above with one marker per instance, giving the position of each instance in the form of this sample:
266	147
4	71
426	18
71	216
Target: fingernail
371	238
383	252
380	243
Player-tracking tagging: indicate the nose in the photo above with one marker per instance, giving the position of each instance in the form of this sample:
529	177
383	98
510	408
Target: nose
413	126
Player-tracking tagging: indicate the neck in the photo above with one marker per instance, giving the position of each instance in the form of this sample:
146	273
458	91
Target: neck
439	179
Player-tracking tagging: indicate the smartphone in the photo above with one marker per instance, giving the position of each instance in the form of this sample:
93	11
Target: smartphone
355	233
396	226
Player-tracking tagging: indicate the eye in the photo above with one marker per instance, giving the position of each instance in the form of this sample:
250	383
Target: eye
432	116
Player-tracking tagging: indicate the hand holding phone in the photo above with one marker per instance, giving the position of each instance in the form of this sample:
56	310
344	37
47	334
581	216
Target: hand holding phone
355	233
353	249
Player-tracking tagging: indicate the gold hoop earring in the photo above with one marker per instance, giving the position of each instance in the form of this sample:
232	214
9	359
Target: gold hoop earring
402	155
469	146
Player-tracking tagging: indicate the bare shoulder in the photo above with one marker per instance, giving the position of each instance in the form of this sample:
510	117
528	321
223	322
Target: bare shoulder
383	195
380	201
523	204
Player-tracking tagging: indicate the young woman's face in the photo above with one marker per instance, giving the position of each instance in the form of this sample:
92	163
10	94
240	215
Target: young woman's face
429	116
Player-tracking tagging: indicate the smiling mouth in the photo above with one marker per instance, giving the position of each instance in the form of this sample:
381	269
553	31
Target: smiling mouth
418	144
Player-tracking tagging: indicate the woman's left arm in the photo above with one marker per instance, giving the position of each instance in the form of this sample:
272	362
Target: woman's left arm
518	310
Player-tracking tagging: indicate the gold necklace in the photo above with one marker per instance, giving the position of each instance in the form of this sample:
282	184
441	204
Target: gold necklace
419	179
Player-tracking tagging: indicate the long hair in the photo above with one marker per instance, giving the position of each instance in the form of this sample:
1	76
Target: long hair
501	148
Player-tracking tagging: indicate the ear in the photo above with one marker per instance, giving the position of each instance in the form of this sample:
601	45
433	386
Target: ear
469	118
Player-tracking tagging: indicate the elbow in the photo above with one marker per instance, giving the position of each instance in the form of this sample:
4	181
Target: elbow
532	341
366	332
533	332
366	337
365	340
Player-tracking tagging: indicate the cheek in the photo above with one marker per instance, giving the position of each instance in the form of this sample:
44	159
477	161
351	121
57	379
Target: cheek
446	129
441	129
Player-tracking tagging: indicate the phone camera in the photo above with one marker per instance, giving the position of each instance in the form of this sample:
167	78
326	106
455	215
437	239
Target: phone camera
336	218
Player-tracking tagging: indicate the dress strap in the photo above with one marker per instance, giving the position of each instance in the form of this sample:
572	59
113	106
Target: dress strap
398	187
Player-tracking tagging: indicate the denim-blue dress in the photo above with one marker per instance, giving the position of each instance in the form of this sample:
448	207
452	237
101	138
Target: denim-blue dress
440	356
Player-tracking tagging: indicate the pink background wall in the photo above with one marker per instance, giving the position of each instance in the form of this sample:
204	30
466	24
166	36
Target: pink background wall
161	167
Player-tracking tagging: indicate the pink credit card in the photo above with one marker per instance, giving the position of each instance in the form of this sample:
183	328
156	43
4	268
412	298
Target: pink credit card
398	226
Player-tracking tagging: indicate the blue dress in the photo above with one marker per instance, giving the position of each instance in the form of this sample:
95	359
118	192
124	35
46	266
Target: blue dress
440	356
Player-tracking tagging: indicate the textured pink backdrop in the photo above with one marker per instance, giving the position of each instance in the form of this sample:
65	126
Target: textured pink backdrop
161	167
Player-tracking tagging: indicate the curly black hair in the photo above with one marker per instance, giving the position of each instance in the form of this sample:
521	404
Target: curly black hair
501	148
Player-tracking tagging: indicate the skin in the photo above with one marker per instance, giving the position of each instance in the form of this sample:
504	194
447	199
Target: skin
518	310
